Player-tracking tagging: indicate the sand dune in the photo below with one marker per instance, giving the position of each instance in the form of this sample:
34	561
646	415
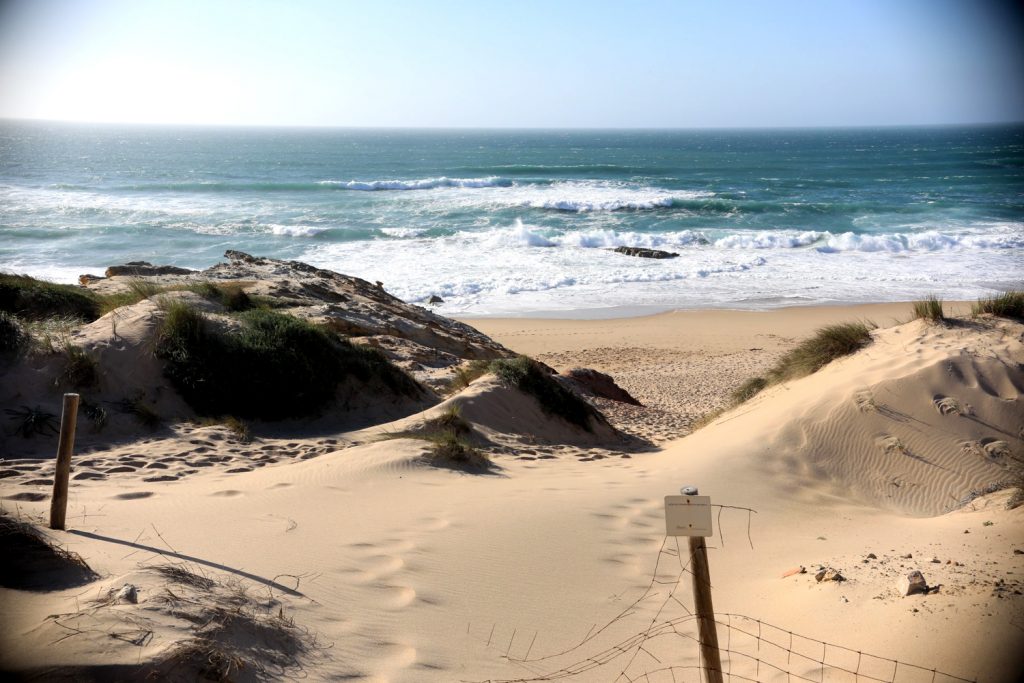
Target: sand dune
557	563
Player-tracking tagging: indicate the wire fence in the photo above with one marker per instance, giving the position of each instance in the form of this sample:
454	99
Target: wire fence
655	638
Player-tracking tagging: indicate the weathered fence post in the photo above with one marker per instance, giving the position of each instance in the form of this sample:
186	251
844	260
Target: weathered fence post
68	420
690	515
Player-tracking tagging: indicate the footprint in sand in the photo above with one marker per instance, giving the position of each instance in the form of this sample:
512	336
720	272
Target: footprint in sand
120	469
239	470
27	496
38	482
865	401
133	495
156	466
996	449
396	597
435	524
891	445
8	473
89	475
229	493
947	405
161	477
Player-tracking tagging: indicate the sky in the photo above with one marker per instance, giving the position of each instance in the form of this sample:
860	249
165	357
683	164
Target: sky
482	63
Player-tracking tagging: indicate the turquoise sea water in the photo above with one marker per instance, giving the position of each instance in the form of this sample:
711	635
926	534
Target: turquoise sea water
516	221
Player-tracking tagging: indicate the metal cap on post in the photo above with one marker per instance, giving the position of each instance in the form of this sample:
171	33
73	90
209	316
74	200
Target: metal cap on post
689	491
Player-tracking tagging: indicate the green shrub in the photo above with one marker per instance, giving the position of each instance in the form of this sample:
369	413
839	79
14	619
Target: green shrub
32	299
450	450
275	366
827	344
231	295
1006	305
529	376
451	420
929	309
80	369
12	337
467	374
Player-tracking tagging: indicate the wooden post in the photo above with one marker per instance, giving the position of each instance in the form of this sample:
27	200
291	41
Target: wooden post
707	630
68	420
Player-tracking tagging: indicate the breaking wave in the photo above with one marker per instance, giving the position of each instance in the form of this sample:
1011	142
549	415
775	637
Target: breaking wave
422	184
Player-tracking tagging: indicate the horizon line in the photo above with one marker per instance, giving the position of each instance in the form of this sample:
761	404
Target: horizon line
285	126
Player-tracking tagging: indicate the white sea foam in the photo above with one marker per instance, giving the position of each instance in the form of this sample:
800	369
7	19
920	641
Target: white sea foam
528	267
519	235
931	240
297	230
769	240
592	196
403	233
421	184
569	196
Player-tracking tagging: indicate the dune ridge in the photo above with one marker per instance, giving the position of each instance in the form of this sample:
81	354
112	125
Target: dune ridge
352	558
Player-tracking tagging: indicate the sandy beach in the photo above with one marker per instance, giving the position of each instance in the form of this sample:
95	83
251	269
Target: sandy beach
338	554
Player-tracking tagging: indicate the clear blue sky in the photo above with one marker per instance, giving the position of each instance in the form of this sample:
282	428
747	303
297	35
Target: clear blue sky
682	63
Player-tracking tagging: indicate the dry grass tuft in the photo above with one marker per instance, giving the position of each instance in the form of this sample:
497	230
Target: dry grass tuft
1009	304
929	309
449	435
467	373
231	633
33	562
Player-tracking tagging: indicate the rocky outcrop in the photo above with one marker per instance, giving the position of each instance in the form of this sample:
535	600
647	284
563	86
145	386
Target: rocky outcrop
144	269
594	383
645	253
426	344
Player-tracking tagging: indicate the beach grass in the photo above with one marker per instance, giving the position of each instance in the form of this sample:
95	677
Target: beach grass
138	290
80	369
230	295
529	376
448	449
272	366
448	435
32	299
930	309
1009	304
826	345
12	336
748	390
468	373
31	559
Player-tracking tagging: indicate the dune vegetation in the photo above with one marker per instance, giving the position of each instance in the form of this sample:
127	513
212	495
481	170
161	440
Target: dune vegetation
271	366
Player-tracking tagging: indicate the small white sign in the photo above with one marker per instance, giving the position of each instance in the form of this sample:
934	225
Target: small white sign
688	515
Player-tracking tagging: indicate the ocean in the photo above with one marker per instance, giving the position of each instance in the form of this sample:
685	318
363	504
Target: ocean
503	222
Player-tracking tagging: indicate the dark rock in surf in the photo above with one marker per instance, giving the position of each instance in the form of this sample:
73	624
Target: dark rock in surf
645	253
145	269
